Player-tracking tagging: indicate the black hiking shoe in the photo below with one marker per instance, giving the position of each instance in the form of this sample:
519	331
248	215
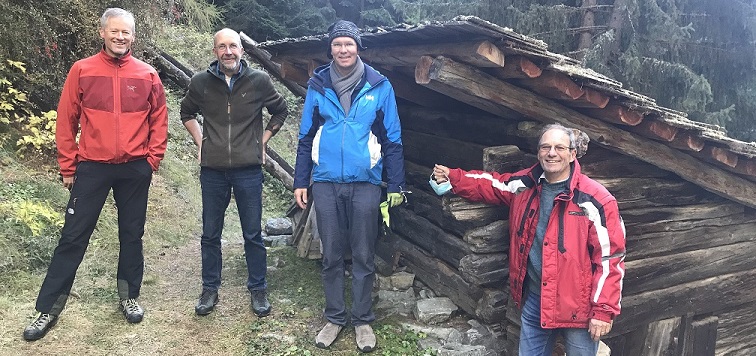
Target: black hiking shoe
131	310
39	327
207	301
260	304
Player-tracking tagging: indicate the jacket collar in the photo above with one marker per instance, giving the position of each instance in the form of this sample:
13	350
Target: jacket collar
536	172
123	60
215	70
321	78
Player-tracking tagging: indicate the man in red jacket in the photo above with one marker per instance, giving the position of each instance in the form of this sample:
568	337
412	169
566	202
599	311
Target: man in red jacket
567	244
117	105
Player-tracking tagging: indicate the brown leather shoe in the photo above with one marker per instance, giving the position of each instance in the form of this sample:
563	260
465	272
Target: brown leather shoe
327	335
365	338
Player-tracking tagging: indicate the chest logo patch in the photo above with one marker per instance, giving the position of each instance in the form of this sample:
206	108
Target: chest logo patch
369	97
578	213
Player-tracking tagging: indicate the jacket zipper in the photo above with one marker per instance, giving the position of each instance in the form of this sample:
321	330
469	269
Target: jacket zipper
562	208
117	111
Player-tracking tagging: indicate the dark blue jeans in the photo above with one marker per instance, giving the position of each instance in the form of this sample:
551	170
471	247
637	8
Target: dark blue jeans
348	217
217	186
537	341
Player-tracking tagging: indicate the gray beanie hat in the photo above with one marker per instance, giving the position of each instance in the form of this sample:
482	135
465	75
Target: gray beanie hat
343	28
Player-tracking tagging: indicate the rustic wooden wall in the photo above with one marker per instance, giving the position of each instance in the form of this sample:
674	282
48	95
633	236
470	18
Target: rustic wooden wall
690	265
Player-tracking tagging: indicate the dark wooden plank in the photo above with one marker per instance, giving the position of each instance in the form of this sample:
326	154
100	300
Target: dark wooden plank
485	269
647	192
465	210
703	296
429	237
681	218
661	338
702	338
662	243
658	272
504	159
735	331
493	237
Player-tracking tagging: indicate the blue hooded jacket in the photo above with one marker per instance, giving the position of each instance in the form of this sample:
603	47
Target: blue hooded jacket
339	147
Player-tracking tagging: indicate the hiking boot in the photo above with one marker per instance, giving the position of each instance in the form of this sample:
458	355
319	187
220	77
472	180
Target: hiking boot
131	310
39	327
260	304
207	301
365	338
328	335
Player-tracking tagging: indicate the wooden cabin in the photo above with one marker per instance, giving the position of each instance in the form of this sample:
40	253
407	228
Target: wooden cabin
474	95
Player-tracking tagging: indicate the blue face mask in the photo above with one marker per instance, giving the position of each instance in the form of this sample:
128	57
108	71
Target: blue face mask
442	188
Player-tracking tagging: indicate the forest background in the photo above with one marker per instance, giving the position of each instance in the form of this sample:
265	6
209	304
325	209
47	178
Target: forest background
694	56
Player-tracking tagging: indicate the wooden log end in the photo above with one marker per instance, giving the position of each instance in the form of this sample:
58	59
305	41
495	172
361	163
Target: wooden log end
422	70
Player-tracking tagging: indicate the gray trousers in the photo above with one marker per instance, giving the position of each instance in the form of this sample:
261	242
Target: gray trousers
348	219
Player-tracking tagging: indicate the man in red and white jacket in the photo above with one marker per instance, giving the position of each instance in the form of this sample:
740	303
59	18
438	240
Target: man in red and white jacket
116	105
567	244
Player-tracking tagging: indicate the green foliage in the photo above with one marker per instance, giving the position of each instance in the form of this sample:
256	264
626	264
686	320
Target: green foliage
398	341
30	222
276	19
37	133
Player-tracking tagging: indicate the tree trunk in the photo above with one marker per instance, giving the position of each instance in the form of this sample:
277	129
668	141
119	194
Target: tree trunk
585	40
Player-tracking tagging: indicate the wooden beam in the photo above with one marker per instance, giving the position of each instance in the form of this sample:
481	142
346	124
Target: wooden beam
292	72
656	130
554	85
406	88
664	271
616	114
688	140
700	297
490	94
478	54
262	57
591	98
517	67
720	155
421	77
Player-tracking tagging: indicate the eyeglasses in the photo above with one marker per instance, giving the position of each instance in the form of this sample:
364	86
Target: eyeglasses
224	47
338	45
558	148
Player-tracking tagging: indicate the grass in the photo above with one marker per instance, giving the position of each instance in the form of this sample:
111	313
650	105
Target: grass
91	323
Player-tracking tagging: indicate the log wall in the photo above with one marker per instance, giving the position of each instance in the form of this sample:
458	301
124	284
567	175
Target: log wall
690	274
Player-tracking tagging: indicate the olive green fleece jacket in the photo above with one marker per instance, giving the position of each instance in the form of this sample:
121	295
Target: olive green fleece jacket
232	125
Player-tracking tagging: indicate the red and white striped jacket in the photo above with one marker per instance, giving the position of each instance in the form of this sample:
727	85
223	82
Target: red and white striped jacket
583	249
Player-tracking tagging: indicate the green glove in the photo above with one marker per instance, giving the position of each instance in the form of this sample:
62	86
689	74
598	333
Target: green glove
386	218
395	199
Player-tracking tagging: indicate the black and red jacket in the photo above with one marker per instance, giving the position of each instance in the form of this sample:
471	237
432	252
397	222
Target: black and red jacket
583	249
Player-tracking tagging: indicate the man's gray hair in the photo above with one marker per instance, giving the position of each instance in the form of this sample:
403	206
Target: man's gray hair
569	132
116	12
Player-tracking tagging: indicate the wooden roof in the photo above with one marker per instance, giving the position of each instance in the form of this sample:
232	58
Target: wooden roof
505	73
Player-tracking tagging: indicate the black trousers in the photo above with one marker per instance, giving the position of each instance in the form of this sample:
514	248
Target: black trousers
130	183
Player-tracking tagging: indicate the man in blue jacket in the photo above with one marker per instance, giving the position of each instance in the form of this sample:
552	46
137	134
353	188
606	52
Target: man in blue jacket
350	130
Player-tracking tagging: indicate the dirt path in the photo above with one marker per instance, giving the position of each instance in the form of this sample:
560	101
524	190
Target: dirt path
92	325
